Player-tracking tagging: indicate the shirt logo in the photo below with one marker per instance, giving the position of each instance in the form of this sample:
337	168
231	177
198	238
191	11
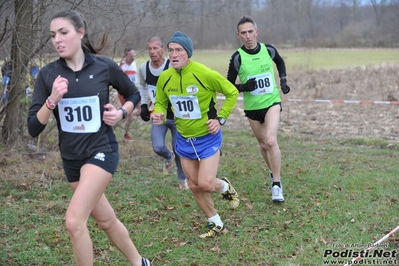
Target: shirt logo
100	156
192	89
79	128
91	76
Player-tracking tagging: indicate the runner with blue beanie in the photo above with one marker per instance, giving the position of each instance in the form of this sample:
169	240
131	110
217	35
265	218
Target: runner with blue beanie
191	88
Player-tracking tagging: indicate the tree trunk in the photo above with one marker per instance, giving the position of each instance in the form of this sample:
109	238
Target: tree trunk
14	122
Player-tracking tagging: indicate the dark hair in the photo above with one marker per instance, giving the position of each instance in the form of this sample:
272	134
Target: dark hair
127	50
78	22
246	19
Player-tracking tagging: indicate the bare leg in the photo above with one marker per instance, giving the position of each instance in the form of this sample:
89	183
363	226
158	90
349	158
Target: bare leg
115	230
203	181
266	134
88	198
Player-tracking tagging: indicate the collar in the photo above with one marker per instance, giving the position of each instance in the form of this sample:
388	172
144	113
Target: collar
186	68
89	58
252	51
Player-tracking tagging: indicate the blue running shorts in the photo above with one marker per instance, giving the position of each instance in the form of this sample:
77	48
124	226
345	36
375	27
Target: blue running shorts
197	148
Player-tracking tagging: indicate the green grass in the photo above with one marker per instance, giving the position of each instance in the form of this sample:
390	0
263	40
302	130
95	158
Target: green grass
337	192
316	59
299	60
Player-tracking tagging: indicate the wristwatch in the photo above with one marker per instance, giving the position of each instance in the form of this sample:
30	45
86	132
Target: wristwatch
221	120
124	112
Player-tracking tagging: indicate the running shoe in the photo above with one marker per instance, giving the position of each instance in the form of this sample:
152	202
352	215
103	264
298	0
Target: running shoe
145	262
277	194
231	195
169	164
214	230
183	184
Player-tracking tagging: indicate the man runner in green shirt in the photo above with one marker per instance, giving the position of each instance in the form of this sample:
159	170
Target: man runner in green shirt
191	89
253	64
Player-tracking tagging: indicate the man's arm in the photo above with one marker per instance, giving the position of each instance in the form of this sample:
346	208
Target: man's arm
145	112
224	87
161	99
142	85
280	64
232	73
277	59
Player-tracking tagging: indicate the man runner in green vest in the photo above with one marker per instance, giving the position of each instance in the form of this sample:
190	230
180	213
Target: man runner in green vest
253	64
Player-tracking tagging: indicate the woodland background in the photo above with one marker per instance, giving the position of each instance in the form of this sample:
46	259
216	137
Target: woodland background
339	160
24	33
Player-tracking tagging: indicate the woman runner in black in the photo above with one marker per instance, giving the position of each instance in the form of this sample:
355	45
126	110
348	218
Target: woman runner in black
75	88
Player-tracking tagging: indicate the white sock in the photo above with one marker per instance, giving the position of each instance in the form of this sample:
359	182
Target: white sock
225	187
216	220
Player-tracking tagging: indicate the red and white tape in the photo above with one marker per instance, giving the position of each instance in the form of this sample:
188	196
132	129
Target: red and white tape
328	101
358	258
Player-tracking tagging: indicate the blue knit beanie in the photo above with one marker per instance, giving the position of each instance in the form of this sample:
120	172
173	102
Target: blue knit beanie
183	40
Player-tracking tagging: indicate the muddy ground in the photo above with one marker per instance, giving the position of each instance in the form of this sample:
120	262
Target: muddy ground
319	120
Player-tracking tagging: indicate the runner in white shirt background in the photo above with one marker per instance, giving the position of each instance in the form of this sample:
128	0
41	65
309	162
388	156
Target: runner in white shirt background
149	72
128	65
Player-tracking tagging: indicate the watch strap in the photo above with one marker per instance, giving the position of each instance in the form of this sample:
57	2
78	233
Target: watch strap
124	112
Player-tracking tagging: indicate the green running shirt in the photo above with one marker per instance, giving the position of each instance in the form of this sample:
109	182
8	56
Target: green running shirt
192	92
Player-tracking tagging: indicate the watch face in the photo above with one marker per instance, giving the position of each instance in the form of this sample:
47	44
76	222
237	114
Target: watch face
222	121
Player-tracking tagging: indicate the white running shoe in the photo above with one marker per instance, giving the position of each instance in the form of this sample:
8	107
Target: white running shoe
277	194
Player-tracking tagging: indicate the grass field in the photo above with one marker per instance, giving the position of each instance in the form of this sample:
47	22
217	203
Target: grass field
337	193
341	196
300	60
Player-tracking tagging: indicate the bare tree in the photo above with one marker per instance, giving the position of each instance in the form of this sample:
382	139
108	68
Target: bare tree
210	23
25	30
355	9
379	10
21	48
